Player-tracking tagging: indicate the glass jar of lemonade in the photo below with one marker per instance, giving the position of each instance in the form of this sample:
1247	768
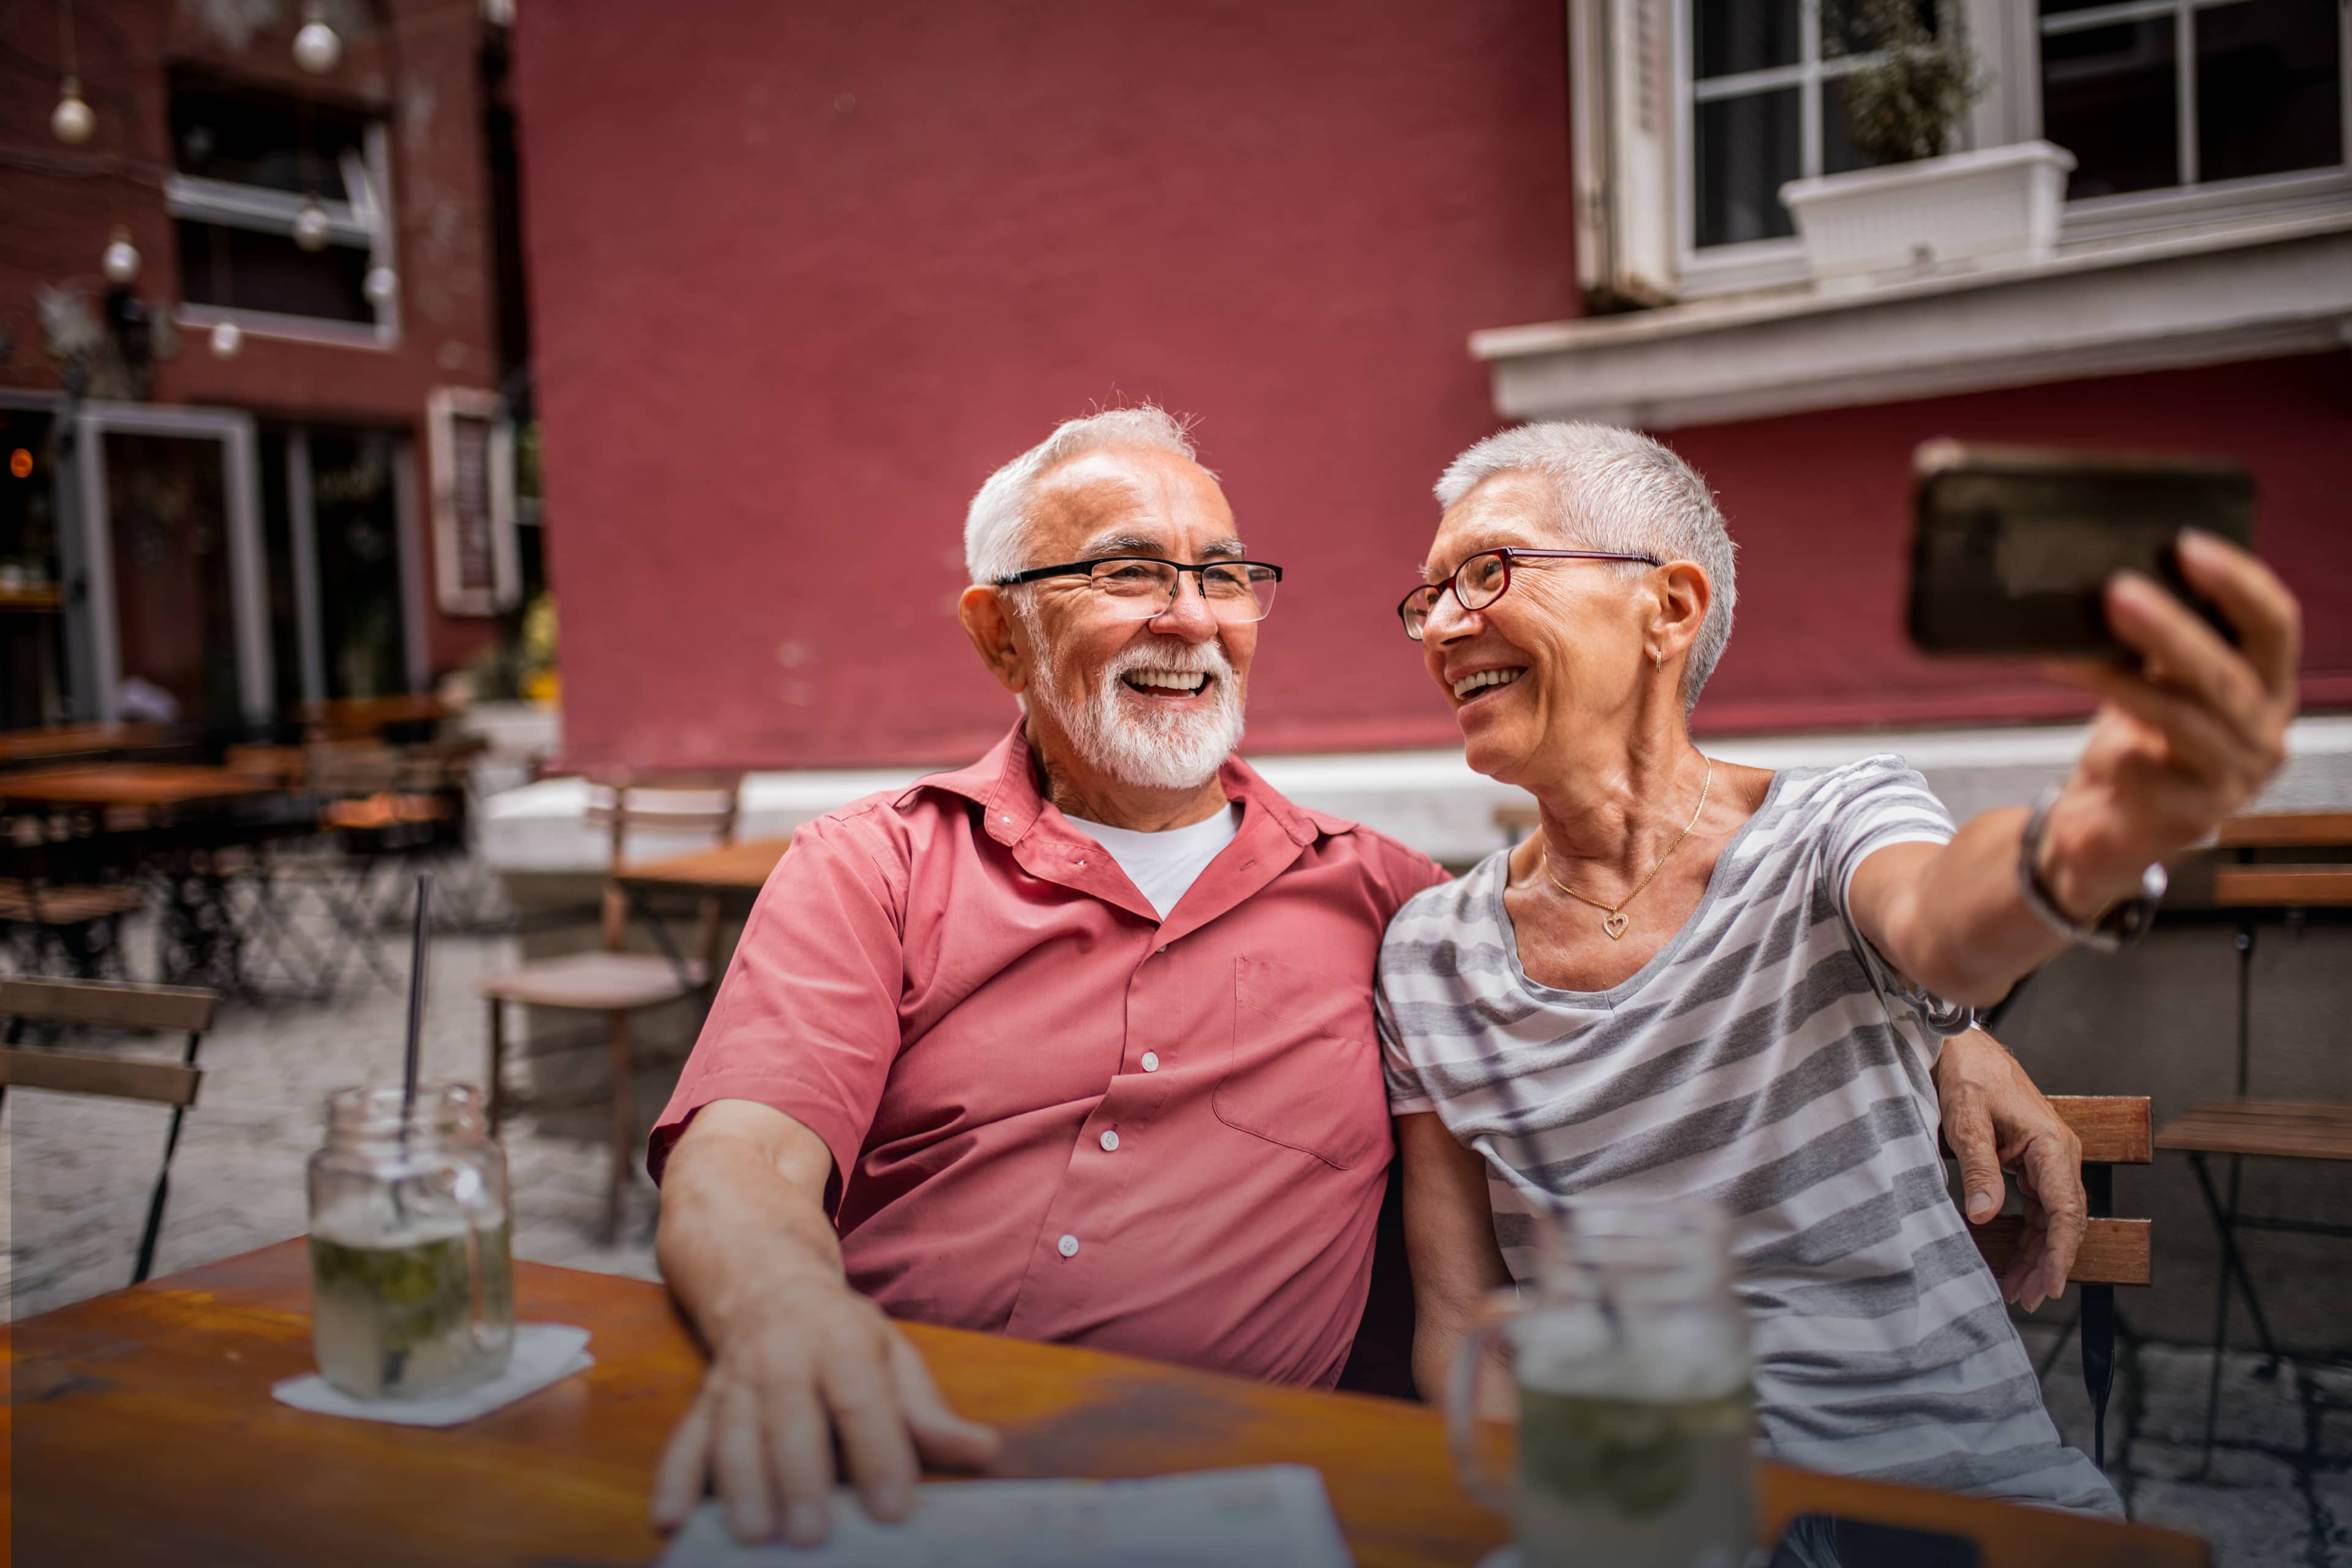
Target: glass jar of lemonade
412	1287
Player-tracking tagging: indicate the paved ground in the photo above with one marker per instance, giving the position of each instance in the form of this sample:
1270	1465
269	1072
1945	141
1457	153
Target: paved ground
2278	1493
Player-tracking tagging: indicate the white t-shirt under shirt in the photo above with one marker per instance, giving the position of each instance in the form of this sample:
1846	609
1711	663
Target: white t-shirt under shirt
1162	864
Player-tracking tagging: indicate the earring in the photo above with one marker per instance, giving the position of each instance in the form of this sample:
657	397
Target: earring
1657	659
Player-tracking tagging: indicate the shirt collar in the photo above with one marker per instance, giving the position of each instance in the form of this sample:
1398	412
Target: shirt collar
1005	785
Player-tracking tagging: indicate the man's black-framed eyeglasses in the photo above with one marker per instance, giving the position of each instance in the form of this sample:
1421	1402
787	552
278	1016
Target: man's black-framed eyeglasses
1485	577
1143	587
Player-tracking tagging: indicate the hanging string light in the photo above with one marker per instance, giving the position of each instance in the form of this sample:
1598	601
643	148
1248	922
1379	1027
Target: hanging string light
380	285
310	225
317	48
71	121
227	338
119	260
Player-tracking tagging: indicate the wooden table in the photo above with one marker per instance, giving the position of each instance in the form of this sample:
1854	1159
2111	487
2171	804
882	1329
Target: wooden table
143	1430
78	740
154	784
359	716
728	868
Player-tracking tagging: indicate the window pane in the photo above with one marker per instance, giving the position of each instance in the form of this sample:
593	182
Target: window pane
2109	96
359	562
2054	7
1746	149
245	269
1838	152
2269	95
1744	34
255	139
1840	35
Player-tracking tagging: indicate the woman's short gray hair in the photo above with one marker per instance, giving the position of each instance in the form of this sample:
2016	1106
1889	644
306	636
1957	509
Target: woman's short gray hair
995	529
1620	491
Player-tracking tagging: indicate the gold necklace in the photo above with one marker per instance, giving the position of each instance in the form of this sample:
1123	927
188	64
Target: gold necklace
1613	918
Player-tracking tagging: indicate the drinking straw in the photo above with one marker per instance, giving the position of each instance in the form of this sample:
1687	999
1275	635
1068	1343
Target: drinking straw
415	1000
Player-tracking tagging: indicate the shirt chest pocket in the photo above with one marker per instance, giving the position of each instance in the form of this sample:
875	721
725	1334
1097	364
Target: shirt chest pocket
1305	1071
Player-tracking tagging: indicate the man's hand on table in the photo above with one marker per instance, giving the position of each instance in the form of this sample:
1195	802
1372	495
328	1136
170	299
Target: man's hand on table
823	1362
1995	1118
798	1358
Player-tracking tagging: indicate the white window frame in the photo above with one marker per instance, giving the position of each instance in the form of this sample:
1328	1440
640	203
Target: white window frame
2006	36
443	408
363	222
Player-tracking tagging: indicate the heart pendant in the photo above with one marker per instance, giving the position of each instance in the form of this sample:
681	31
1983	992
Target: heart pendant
1615	925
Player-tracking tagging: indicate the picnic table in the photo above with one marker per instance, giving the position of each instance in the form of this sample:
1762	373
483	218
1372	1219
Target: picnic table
169	1382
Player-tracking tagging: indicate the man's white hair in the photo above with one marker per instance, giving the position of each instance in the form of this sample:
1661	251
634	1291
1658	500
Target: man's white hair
996	528
1620	491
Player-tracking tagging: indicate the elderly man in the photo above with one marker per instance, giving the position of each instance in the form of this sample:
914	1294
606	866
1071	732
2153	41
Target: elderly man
1074	1043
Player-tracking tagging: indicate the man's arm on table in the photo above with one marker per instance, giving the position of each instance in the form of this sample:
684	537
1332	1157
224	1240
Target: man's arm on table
1449	1240
796	1356
1994	1118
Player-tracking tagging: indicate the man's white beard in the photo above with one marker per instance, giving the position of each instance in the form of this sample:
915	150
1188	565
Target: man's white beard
1117	731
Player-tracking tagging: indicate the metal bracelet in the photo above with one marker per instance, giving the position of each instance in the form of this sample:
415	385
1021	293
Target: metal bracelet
2126	922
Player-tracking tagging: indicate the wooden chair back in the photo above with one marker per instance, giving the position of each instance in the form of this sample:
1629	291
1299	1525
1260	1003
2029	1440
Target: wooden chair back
670	801
73	1072
169	1009
176	1009
2114	1131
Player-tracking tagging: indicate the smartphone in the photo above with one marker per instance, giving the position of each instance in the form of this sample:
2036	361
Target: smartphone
1827	1541
2012	545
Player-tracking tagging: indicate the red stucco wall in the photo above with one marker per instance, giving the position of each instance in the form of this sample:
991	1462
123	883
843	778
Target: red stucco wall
802	276
1819	505
782	340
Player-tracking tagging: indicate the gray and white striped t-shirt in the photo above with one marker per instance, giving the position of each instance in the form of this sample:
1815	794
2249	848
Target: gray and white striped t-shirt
1768	1058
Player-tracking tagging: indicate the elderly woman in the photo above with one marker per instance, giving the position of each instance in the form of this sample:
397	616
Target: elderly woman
1702	979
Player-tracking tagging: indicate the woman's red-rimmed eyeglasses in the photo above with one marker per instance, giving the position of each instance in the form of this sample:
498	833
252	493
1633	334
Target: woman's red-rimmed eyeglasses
1485	577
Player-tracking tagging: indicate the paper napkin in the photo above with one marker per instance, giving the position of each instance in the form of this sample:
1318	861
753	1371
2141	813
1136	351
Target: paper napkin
543	1354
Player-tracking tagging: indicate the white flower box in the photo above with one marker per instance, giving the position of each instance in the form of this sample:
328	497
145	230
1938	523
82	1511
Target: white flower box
1991	206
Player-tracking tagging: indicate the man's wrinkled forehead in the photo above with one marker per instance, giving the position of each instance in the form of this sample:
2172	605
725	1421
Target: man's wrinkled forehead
1123	502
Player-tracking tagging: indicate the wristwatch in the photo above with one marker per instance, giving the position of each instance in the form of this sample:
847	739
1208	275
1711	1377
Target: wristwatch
2126	922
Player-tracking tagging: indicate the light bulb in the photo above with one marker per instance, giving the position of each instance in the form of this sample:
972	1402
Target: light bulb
317	49
380	285
227	338
71	121
120	261
310	225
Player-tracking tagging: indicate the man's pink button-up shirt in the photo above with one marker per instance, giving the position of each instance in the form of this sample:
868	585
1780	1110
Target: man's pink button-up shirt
1055	1115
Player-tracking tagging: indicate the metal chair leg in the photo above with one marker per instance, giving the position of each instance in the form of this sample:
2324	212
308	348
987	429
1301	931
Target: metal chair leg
2098	1327
154	1225
624	1125
494	1091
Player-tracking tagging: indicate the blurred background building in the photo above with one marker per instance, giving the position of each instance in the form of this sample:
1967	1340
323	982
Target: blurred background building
256	323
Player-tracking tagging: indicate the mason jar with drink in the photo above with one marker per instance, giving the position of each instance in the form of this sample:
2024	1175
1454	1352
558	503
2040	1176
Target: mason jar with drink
1624	1373
411	1285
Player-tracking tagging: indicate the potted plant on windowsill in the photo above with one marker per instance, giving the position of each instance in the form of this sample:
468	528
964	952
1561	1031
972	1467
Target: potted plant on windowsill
1922	209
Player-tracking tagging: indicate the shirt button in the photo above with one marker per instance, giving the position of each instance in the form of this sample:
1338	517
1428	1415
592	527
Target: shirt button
1109	1141
1068	1247
1151	1061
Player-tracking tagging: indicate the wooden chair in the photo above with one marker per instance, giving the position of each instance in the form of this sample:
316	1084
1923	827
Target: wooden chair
2114	1129
2260	1129
168	1008
610	980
